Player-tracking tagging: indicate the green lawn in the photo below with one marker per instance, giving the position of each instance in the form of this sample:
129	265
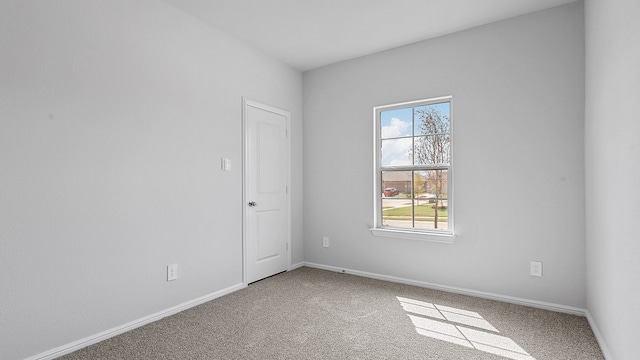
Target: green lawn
420	211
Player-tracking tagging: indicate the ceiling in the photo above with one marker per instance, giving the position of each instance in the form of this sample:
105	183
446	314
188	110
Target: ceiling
307	34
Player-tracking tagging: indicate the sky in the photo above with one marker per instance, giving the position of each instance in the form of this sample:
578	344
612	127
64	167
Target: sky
396	126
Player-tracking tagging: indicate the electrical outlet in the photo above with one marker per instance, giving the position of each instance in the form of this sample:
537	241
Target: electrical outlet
172	272
325	241
536	268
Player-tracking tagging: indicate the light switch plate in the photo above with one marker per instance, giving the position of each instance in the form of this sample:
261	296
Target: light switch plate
225	164
172	272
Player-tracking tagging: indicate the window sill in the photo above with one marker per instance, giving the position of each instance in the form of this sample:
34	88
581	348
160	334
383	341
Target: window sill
414	235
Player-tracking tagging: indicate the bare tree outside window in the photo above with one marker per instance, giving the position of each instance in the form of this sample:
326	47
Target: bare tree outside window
433	148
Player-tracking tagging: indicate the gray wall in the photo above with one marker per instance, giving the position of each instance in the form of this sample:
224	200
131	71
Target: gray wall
612	140
113	118
518	103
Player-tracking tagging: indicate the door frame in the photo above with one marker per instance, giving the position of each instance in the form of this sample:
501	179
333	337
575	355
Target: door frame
255	104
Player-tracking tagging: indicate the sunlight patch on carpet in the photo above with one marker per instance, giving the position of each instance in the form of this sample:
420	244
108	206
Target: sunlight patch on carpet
460	327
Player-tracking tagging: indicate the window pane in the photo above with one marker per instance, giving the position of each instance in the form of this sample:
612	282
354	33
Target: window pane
396	184
396	152
432	119
432	150
397	212
396	199
419	184
432	206
436	183
395	123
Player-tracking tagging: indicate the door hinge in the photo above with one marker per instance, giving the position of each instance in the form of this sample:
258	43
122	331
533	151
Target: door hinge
286	246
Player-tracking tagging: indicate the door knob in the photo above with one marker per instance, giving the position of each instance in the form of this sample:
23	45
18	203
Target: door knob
252	203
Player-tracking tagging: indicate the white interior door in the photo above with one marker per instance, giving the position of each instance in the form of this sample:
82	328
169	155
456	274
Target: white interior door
266	181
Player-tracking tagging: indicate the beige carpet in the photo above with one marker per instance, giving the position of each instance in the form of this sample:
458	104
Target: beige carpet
316	314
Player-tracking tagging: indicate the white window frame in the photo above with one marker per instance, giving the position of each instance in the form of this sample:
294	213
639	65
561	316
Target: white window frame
445	236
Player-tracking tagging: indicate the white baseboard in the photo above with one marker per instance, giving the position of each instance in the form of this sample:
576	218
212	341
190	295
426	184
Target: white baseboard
599	338
296	266
456	290
90	340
